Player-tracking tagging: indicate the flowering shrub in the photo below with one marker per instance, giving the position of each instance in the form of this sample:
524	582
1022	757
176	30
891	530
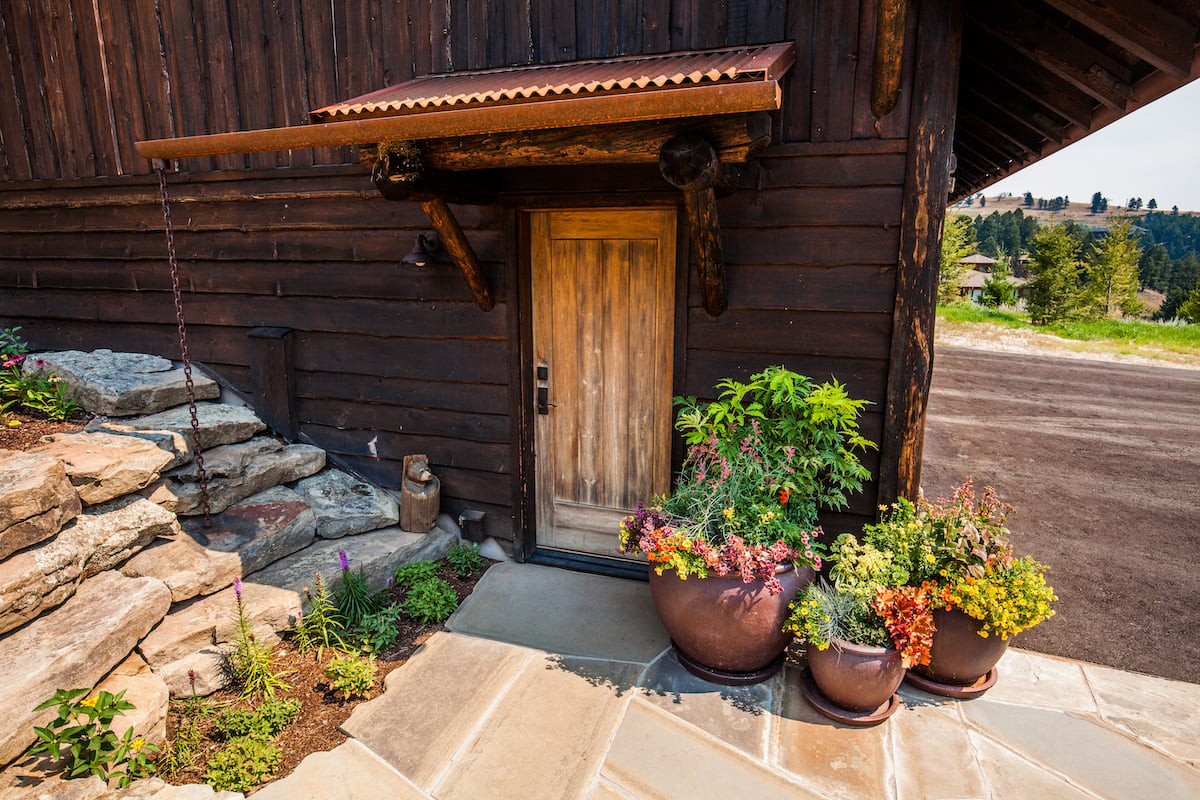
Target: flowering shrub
1011	596
761	460
37	392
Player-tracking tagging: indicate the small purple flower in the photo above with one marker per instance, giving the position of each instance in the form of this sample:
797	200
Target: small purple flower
388	582
237	588
343	560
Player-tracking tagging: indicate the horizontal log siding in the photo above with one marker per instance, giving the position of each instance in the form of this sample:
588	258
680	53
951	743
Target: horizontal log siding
390	359
810	273
81	81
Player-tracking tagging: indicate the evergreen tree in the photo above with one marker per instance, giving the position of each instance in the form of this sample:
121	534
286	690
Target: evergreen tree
982	200
1097	199
998	290
1112	272
958	242
1029	199
1153	204
1189	309
1055	292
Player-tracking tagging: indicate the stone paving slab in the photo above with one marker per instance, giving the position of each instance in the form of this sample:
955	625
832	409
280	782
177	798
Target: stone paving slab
348	772
218	423
1090	754
739	715
834	759
932	755
1164	714
432	704
564	612
546	736
1034	679
1011	776
657	755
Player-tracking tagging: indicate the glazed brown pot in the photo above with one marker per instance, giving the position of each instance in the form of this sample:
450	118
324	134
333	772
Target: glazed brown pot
723	623
960	656
856	677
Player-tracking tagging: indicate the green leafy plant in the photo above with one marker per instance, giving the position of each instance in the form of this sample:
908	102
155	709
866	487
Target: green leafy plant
36	391
184	745
429	601
1008	598
82	734
761	460
354	597
351	676
252	663
263	722
414	572
464	559
242	764
322	626
378	630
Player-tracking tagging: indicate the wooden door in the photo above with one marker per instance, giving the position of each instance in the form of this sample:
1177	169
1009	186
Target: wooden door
603	330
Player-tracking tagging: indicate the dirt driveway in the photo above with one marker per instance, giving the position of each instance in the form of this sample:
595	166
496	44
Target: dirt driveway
1102	462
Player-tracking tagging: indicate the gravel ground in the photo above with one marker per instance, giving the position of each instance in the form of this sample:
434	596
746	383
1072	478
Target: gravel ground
1101	459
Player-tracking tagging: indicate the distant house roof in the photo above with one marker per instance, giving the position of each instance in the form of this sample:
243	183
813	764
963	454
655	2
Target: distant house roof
974	279
978	258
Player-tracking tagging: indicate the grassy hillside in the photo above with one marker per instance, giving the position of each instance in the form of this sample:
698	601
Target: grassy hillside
1080	212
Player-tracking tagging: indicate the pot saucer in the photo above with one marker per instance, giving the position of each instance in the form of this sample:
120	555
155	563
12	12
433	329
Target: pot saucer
858	719
953	690
714	675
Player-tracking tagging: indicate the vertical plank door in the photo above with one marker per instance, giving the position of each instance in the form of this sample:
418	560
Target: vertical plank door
603	329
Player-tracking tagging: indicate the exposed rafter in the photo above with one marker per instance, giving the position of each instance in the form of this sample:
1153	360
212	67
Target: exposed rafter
1149	31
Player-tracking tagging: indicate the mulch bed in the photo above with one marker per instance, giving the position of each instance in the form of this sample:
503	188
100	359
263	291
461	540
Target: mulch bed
321	713
32	427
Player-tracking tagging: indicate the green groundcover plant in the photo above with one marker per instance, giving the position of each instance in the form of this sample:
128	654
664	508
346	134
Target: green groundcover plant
81	734
761	460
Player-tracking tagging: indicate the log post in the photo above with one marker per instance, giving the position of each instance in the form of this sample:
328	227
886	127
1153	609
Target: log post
690	163
926	185
889	56
460	251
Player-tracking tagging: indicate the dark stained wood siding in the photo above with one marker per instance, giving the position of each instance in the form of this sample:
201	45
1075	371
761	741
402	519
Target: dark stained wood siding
81	81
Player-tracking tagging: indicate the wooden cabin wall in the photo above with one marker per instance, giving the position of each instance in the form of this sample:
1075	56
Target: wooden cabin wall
390	359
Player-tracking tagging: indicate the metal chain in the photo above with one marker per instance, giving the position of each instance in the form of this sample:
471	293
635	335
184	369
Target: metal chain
183	348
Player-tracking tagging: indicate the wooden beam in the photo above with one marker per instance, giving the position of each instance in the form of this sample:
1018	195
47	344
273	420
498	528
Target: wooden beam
984	90
735	136
931	134
1104	78
1145	29
690	163
572	112
460	250
1029	78
889	56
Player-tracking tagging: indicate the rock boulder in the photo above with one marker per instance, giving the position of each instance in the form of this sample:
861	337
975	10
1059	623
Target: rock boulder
102	465
218	423
345	505
121	384
36	499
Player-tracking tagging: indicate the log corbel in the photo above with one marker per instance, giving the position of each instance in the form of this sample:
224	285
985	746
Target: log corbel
399	175
889	56
689	162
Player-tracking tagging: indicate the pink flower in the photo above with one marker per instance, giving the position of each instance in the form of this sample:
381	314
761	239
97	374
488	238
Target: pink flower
237	588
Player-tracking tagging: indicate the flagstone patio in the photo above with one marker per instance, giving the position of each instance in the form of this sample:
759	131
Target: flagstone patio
559	684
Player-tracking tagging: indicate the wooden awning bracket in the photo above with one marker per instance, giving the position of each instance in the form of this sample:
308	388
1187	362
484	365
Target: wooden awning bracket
399	174
889	56
689	162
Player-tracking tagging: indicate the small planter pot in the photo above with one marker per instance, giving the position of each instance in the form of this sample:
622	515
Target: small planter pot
962	664
852	683
724	630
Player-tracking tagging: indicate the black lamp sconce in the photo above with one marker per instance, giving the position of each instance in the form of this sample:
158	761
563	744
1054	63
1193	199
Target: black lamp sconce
427	249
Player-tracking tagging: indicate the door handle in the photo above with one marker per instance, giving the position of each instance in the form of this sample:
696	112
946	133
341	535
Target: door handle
543	389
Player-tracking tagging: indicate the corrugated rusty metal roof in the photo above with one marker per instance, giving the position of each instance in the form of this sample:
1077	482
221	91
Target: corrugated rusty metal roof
531	83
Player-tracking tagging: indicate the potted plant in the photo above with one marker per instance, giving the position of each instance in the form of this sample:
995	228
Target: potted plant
982	594
738	536
862	630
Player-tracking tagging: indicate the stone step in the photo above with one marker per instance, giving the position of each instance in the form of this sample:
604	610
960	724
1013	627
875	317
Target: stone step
218	424
345	505
244	538
36	500
120	384
104	465
235	472
102	538
73	647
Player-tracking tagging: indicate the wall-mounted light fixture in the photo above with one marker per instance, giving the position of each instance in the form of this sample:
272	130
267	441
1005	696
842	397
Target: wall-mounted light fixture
426	250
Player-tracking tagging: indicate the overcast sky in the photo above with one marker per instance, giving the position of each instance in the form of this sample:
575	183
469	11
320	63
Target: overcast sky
1153	152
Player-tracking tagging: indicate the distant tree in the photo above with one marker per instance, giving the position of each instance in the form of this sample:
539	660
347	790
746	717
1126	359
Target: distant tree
982	200
1153	204
1103	204
1175	211
1097	199
970	199
997	289
1054	268
1154	266
1112	272
958	242
1029	199
1131	203
1189	309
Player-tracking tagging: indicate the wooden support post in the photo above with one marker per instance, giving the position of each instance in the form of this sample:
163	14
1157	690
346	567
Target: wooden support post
274	376
459	248
930	136
889	56
689	161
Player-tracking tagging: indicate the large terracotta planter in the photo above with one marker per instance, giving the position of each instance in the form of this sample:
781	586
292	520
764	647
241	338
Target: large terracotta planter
961	663
724	630
856	683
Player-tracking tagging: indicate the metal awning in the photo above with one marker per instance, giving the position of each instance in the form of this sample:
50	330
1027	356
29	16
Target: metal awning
540	97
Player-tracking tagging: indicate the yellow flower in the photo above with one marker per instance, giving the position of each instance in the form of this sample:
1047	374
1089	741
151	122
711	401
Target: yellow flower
89	702
729	513
137	744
